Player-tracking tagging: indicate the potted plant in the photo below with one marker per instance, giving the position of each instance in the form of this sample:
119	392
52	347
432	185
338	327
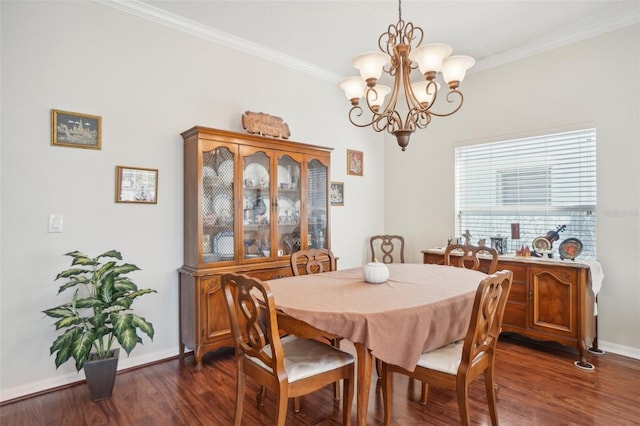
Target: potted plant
98	314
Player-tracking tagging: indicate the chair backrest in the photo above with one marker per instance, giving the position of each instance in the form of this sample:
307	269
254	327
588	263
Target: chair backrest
486	320
387	248
254	322
469	257
314	261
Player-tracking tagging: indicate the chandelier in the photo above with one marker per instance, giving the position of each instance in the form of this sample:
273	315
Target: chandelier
401	53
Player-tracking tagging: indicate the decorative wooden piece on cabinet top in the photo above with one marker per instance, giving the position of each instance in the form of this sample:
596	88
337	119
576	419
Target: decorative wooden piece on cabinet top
265	125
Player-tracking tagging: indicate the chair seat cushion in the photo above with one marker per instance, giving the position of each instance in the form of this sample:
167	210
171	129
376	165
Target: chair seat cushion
445	359
304	358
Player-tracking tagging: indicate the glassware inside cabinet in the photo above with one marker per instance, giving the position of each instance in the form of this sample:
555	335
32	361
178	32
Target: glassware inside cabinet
317	202
217	205
256	206
288	205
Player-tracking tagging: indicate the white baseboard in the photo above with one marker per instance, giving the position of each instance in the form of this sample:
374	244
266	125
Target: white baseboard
54	382
614	348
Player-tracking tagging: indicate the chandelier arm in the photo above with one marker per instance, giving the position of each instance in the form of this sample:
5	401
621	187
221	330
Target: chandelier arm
387	39
388	120
356	111
461	100
378	122
421	118
413	35
409	95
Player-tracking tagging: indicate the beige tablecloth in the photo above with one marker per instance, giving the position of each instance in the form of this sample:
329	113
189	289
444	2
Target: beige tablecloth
421	307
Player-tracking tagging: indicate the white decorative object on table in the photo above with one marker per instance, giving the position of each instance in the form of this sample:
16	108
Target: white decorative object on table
375	272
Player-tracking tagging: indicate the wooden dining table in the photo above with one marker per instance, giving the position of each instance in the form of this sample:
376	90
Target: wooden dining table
419	308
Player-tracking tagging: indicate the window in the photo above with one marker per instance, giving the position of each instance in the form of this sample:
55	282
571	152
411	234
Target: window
540	183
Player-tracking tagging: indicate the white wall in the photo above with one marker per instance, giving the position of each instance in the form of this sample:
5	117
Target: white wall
148	83
591	83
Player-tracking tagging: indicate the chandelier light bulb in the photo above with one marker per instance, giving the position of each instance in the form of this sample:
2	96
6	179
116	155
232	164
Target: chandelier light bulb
353	88
425	94
429	58
376	95
454	69
370	65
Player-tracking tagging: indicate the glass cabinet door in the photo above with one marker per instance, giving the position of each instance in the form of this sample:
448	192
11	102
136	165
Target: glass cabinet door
317	204
288	205
217	205
256	206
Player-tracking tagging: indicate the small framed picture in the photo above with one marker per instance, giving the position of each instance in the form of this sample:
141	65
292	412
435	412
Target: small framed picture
336	194
355	162
136	185
76	130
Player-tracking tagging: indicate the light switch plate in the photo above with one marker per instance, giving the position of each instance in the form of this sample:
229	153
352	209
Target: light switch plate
55	223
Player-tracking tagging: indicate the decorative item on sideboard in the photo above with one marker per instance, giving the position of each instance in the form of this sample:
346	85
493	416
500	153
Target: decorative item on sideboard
515	235
543	246
570	248
499	243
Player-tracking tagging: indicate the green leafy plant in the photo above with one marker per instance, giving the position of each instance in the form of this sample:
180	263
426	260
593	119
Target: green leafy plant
99	312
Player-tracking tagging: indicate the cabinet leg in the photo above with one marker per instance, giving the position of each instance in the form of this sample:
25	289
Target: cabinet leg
197	356
582	362
583	365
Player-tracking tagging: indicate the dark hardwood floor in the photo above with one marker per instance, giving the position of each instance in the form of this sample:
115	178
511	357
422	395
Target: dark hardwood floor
539	385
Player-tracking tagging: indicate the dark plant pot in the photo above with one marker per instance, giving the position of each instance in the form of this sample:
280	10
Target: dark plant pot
101	376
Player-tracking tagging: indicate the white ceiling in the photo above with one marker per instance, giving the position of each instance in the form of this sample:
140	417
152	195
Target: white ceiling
322	36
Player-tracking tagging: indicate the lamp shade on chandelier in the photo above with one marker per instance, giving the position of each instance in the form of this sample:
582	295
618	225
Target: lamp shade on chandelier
401	52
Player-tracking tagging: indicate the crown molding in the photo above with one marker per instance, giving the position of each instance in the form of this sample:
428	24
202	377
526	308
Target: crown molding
574	34
188	26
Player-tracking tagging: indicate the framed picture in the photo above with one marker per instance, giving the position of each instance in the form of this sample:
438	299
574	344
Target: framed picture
336	194
76	130
136	185
355	162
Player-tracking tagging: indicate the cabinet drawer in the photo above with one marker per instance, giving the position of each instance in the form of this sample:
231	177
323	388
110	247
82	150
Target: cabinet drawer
271	274
436	259
519	271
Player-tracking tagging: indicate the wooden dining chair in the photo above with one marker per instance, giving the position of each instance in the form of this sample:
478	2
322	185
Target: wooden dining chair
387	248
313	261
289	366
456	365
469	257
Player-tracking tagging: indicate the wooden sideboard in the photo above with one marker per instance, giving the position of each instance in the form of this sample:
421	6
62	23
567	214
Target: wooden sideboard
550	300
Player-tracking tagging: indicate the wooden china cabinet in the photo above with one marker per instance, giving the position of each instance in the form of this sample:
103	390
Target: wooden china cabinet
249	202
550	300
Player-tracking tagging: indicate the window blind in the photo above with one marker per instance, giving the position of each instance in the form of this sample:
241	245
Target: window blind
540	183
